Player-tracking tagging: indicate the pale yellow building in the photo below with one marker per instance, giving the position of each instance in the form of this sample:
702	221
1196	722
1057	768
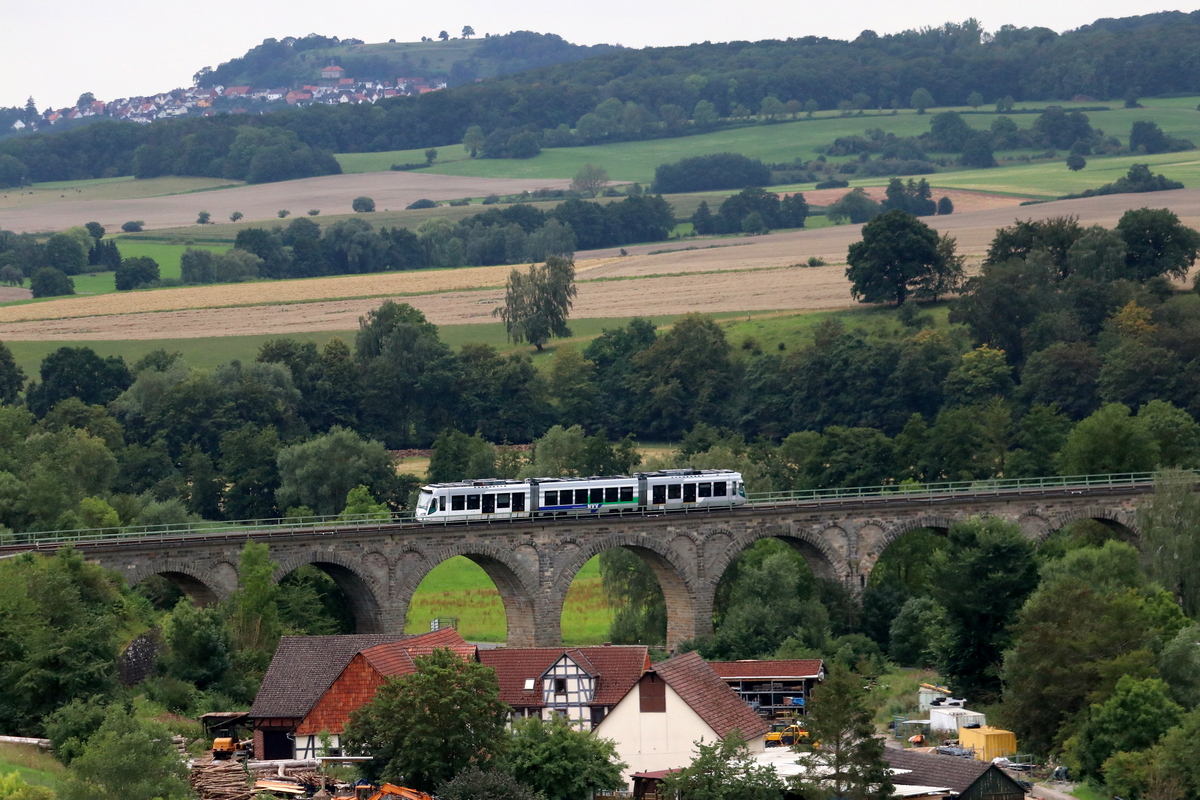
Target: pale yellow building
673	705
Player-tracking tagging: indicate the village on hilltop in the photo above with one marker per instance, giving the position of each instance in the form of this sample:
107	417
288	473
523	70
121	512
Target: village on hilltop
333	88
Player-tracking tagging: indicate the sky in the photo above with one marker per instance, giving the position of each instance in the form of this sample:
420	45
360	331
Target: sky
54	50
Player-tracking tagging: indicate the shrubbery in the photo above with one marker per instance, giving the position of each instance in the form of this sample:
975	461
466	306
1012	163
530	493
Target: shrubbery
717	171
50	282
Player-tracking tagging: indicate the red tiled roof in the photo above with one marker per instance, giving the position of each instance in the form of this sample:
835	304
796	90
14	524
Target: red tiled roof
397	658
304	667
698	685
795	668
618	668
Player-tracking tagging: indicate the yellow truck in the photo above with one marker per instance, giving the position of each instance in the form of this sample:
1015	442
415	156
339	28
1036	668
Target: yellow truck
784	734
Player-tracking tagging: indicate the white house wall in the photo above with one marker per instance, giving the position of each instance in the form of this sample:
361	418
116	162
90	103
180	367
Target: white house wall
655	740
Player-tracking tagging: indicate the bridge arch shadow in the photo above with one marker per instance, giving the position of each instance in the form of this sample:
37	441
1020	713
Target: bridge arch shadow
873	548
202	588
680	594
1120	522
361	590
514	581
817	548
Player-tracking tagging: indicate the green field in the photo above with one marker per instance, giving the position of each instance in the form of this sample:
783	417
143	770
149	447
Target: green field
1053	179
460	588
35	766
767	329
167	255
784	142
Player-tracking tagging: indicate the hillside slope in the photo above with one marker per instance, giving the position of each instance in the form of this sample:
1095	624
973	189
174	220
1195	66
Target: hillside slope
295	61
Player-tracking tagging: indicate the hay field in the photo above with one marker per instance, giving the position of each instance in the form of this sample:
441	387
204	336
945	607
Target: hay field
330	194
127	188
734	274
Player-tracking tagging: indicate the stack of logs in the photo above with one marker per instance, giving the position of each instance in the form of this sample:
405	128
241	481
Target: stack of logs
220	780
227	780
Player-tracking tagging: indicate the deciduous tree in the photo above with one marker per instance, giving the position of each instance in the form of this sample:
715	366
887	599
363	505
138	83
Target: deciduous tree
724	770
423	729
896	252
537	303
982	578
561	761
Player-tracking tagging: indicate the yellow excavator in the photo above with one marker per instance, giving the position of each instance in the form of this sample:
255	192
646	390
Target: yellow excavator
785	734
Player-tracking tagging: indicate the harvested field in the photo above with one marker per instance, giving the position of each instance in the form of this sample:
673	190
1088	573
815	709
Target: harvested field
41	194
262	293
771	289
9	294
739	274
330	194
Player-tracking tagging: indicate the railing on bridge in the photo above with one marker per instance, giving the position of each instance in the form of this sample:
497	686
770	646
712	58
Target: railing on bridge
930	492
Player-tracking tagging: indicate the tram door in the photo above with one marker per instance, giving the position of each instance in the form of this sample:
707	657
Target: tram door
489	504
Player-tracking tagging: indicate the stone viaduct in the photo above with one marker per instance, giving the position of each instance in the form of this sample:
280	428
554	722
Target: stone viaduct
379	565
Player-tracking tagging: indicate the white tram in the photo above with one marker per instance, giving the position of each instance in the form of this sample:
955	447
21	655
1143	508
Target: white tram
667	490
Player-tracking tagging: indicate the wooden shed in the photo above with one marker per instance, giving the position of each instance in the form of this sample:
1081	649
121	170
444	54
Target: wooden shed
970	779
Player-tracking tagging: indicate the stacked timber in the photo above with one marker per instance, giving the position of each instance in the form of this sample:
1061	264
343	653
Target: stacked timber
220	780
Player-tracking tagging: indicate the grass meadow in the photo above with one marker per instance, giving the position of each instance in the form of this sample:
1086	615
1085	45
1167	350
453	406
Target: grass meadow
460	588
165	253
777	142
35	766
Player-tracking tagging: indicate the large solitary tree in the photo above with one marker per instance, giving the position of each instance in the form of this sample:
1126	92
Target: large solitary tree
537	303
897	253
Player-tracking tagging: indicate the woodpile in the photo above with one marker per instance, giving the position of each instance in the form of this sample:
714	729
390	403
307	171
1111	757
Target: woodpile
220	780
233	780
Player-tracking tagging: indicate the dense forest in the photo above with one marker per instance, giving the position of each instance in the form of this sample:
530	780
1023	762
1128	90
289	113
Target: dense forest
655	92
293	61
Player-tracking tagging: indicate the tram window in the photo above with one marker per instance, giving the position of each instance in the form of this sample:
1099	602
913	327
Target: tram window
551	499
689	493
503	500
719	489
597	495
518	501
660	495
704	489
581	496
674	491
458	502
472	502
626	494
610	494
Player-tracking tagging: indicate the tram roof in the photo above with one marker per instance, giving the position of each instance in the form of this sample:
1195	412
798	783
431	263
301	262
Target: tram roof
498	483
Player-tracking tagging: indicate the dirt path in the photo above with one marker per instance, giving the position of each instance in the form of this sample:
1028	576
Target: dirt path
331	194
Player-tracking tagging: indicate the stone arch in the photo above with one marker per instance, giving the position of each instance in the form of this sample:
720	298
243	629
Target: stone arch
197	583
822	557
1116	519
514	581
686	618
363	590
935	522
